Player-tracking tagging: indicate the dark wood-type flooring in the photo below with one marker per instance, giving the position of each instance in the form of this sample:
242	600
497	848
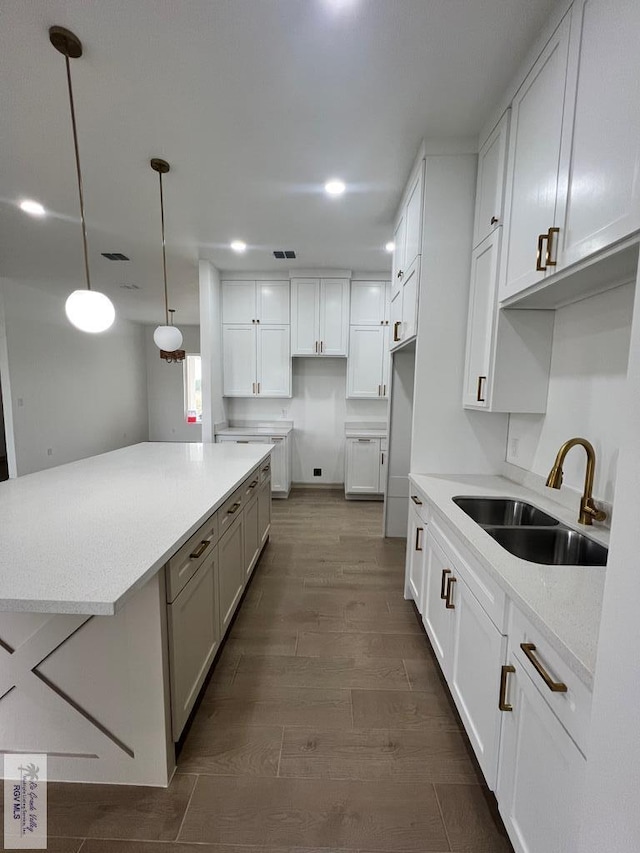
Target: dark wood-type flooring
326	724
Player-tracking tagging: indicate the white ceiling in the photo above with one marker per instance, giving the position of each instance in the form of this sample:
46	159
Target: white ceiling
255	103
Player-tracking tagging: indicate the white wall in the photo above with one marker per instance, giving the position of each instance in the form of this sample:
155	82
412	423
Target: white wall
73	393
586	392
165	390
318	409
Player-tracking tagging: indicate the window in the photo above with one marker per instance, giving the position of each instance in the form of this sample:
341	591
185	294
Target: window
193	389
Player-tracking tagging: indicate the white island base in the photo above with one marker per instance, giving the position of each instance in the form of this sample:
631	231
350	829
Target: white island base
103	679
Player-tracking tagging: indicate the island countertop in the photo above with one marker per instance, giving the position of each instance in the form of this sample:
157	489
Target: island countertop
80	538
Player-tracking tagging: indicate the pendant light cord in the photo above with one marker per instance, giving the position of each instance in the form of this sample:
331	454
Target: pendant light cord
79	173
164	254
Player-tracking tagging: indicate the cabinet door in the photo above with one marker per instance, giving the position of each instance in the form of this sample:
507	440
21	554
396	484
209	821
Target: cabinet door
603	203
230	572
387	303
436	616
413	218
368	303
395	327
239	302
305	316
399	243
384	455
264	511
534	155
272	300
415	569
482	308
541	772
363	466
479	650
251	544
410	301
279	467
386	362
273	361
334	316
366	356
492	161
239	360
194	636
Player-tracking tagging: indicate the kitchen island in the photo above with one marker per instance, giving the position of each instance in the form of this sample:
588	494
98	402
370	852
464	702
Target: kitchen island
119	576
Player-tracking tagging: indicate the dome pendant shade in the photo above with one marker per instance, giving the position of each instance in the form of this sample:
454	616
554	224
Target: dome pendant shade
90	311
168	338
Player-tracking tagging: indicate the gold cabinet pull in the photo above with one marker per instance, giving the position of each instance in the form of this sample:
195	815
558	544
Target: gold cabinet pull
254	387
258	387
539	265
199	551
316	346
252	484
266	469
443	583
480	392
379	390
382	462
554	686
321	346
550	235
495	220
418	532
416	500
384	390
400	274
396	326
233	509
503	705
448	602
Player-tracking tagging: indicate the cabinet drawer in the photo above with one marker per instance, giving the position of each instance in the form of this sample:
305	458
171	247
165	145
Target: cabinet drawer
265	470
492	598
250	486
573	706
185	562
419	504
231	508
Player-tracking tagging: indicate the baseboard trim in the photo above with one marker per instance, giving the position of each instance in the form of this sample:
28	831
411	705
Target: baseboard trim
319	486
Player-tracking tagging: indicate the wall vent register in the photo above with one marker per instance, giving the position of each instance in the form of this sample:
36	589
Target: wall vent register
281	254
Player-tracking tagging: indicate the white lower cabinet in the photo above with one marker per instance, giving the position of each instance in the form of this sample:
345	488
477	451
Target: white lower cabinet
364	466
252	544
280	458
194	637
264	511
415	568
541	772
436	615
231	573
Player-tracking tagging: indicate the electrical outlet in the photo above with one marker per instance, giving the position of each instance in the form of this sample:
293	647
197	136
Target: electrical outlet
515	447
317	472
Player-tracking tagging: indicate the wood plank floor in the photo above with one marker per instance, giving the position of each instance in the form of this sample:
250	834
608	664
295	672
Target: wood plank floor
326	724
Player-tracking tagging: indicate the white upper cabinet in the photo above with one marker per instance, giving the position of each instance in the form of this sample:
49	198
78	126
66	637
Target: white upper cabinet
239	360
413	218
320	316
256	360
273	370
399	243
534	188
482	300
603	203
492	162
255	302
368	303
366	365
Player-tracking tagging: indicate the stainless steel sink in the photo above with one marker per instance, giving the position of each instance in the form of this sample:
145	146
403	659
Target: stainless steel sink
557	546
504	511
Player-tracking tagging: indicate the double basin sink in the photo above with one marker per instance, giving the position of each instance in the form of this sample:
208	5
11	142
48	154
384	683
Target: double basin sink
529	533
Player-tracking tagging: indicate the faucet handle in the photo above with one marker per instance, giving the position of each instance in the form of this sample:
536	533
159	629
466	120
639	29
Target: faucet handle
590	512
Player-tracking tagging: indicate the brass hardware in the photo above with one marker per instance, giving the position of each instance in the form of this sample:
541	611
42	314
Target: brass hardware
541	239
254	387
233	509
416	500
480	392
365	440
379	390
252	484
589	511
316	346
257	321
396	325
503	705
549	262
400	274
554	686
384	390
418	532
258	387
266	469
382	322
242	441
202	547
253	321
449	603
443	583
321	346
494	220
382	462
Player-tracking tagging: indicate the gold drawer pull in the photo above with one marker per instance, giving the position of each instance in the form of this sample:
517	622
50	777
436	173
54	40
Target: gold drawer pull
416	500
539	265
443	583
396	326
266	469
480	395
503	705
253	484
549	260
234	508
418	538
449	603
199	551
554	686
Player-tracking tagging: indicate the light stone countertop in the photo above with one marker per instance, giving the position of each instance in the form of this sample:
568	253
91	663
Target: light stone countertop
366	433
266	431
80	538
563	602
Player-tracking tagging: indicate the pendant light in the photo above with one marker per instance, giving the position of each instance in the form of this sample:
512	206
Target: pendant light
86	309
168	338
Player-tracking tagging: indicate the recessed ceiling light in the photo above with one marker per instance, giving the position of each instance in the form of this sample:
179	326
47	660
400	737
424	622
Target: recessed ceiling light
238	246
389	247
335	187
33	208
